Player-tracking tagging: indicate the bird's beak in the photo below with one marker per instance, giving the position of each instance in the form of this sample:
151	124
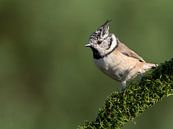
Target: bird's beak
88	45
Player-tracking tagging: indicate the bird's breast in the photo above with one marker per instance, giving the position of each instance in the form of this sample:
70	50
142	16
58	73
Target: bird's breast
115	66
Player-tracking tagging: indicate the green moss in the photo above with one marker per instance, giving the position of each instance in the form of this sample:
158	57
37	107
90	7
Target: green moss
121	107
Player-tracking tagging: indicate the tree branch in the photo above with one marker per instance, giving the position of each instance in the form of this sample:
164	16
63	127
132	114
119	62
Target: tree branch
121	107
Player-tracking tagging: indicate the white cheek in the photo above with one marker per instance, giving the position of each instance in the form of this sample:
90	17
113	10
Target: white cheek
104	44
100	49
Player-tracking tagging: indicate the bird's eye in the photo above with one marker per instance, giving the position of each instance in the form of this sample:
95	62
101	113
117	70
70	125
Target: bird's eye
99	42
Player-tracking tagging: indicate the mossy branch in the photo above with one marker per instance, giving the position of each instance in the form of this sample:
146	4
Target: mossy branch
121	107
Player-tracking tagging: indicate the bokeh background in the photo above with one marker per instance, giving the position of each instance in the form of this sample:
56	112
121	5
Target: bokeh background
48	79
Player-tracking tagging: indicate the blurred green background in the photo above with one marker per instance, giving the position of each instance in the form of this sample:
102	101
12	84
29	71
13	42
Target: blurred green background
48	79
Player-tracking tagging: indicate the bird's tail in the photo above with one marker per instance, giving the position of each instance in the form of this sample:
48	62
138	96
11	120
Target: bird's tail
148	66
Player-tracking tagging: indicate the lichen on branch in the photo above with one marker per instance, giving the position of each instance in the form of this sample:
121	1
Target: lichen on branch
121	107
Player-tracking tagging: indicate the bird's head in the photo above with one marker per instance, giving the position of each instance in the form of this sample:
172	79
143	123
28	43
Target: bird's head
101	41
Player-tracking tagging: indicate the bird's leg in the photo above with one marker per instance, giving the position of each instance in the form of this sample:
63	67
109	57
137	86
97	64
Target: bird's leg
141	76
123	86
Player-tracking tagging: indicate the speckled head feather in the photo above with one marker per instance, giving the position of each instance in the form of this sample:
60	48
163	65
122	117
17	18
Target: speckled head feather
102	31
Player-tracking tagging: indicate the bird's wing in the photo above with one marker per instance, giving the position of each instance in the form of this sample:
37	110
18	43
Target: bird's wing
128	52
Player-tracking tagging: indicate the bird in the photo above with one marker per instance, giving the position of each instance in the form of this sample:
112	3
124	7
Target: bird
114	58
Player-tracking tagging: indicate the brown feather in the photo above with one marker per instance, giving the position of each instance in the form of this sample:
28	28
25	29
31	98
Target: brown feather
128	52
